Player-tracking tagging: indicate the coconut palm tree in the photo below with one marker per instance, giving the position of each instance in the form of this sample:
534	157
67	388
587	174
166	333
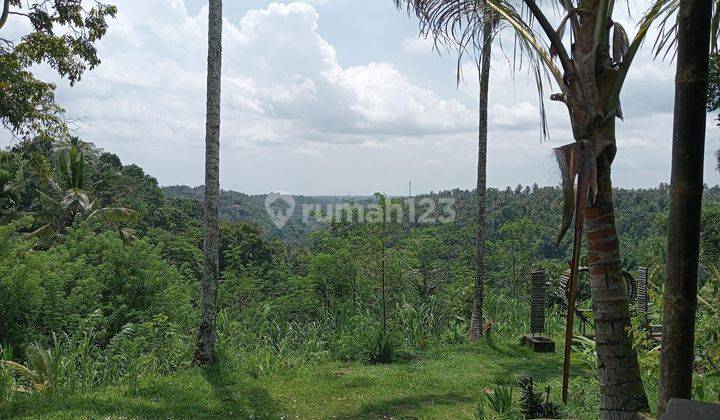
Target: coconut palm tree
205	349
590	75
452	25
68	197
680	291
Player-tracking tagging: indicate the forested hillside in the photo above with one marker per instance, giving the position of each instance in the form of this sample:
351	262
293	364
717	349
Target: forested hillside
641	214
101	267
121	298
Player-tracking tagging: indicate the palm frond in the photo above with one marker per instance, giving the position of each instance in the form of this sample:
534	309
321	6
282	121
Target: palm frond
77	199
663	14
459	24
530	45
451	23
73	157
114	215
604	13
7	188
660	11
19	369
38	370
39	358
128	235
5	178
43	232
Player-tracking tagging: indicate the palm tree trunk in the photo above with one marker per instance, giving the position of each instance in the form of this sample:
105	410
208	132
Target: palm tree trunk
686	187
476	322
621	389
205	350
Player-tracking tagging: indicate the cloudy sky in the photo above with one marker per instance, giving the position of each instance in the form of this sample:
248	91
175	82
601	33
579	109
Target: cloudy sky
337	97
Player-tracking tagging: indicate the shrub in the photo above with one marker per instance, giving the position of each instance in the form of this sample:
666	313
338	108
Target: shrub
382	347
497	404
456	333
53	291
418	322
533	405
364	339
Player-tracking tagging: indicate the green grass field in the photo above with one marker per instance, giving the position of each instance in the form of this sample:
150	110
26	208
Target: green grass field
443	383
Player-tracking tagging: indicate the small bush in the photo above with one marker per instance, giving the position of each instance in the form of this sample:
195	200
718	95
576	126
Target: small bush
497	404
418	323
383	348
533	404
363	339
456	333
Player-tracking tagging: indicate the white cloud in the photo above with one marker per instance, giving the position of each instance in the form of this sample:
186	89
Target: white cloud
515	115
282	82
418	45
299	99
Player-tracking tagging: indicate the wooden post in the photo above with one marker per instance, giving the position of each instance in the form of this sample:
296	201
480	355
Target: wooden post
537	301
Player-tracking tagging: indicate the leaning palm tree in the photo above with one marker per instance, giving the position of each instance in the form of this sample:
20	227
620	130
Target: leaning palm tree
205	349
452	26
683	251
589	75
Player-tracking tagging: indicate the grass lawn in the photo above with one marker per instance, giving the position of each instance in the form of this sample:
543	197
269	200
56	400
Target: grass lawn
441	383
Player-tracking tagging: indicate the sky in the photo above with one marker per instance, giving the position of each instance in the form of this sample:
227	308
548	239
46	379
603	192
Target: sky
335	97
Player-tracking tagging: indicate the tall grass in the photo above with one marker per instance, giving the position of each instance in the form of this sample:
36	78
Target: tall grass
69	364
260	339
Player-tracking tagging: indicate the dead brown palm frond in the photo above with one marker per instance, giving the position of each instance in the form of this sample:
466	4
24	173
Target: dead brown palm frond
621	43
37	372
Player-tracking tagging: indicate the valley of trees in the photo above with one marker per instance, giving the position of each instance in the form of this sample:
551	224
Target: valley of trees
108	308
122	298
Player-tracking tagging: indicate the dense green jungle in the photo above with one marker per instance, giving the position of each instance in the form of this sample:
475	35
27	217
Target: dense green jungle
100	291
123	298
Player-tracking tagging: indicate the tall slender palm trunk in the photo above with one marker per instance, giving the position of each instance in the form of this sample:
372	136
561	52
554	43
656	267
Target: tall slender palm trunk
205	350
686	187
476	322
621	389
